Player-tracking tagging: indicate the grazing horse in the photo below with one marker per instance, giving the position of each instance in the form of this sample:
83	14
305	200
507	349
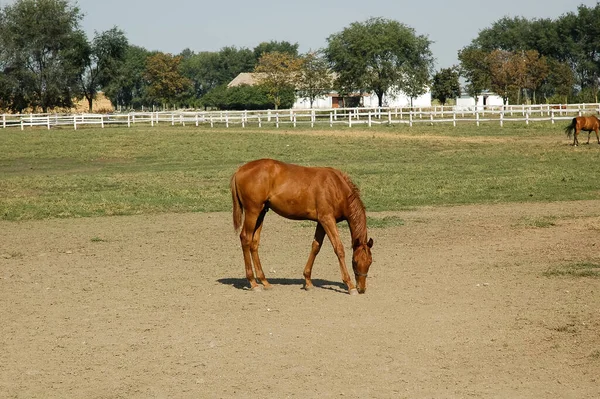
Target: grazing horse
325	195
585	123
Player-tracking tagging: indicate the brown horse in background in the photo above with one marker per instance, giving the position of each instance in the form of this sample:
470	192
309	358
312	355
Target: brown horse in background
585	123
325	195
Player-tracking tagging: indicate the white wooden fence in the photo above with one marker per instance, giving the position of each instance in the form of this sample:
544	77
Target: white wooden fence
311	117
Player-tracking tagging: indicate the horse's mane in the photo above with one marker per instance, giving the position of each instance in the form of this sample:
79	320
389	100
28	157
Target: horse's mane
357	217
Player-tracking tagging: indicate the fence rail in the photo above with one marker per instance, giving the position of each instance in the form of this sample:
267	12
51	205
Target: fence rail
311	117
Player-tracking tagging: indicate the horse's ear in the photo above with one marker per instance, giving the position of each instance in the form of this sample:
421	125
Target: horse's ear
370	243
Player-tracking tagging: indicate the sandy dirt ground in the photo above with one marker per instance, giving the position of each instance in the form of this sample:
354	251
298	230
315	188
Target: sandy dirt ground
458	305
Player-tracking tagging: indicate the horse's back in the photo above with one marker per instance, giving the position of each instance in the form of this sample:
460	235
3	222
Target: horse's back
587	123
293	191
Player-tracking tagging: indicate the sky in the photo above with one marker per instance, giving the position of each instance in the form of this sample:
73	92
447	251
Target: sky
202	25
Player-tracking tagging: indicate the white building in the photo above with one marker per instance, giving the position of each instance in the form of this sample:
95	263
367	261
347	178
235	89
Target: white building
334	100
485	99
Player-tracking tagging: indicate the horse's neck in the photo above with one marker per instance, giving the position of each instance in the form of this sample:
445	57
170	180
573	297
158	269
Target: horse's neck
358	227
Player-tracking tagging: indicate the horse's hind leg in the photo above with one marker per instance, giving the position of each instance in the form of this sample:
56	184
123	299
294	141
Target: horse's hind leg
250	238
314	251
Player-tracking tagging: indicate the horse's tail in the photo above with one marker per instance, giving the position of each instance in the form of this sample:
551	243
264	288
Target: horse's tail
238	209
571	128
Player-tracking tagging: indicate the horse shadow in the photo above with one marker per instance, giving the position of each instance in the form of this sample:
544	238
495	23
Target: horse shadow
242	283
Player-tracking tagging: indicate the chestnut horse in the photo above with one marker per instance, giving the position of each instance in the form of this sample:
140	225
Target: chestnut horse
585	123
325	195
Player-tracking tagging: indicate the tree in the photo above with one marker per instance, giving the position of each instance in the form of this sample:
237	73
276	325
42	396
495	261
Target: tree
446	84
378	56
559	82
40	43
165	82
536	71
104	55
274	46
278	72
128	87
475	69
315	79
507	73
415	81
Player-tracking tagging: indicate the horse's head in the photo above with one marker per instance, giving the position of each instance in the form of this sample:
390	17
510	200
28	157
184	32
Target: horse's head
361	261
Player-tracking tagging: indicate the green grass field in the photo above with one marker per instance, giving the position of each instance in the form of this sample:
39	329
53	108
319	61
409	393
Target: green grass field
120	171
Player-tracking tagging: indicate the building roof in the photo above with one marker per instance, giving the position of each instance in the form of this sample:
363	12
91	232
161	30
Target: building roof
244	78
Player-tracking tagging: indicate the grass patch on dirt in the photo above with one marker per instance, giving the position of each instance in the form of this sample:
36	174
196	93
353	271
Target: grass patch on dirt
139	170
540	222
577	269
384	222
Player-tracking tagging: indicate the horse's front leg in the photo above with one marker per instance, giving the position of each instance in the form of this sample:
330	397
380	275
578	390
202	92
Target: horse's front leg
314	251
334	236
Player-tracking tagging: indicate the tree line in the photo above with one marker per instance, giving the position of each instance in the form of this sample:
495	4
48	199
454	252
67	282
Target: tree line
538	60
47	62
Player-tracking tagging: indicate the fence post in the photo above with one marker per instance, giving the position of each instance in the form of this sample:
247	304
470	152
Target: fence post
389	116
501	118
74	122
331	119
527	118
454	118
410	118
349	118
552	117
312	118
3	121
369	118
102	121
277	120
477	117
128	120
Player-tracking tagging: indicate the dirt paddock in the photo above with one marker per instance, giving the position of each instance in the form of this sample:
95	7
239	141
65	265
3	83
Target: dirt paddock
459	304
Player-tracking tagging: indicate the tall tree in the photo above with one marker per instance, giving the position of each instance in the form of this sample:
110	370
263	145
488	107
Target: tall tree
559	82
278	72
378	56
315	79
507	73
128	87
166	84
40	42
445	84
104	55
475	69
536	71
274	46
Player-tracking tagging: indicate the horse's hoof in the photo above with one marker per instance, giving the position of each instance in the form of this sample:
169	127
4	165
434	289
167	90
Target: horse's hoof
258	288
268	287
308	287
353	291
